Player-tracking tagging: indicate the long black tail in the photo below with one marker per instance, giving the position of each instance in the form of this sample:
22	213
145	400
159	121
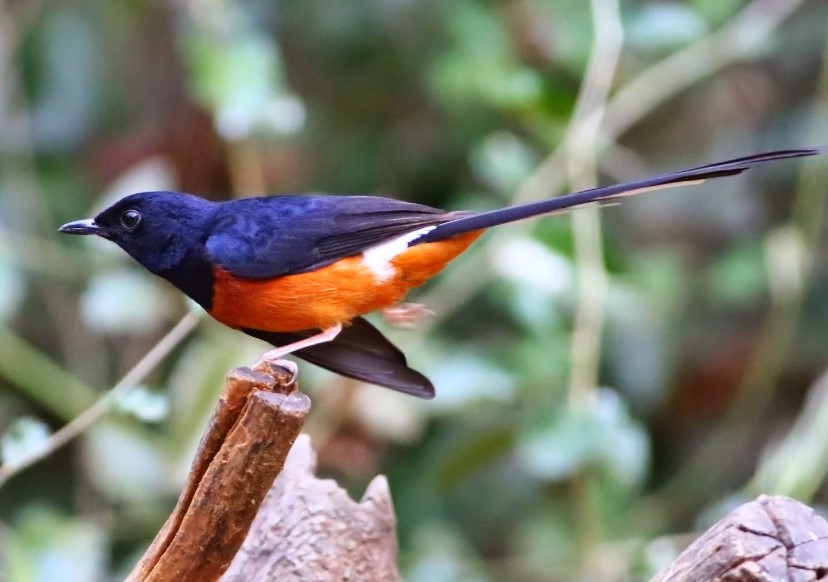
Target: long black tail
673	179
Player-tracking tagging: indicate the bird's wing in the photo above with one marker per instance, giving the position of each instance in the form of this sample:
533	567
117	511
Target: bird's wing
260	238
361	352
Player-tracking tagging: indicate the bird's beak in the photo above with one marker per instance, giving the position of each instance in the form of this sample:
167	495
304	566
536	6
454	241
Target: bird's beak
86	226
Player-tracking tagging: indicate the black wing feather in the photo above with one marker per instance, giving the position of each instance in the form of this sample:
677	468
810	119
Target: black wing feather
361	352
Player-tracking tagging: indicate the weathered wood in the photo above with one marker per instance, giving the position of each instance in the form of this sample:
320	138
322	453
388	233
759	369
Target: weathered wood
771	539
309	529
245	446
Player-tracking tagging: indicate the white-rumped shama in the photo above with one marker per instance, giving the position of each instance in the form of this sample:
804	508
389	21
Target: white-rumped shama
300	271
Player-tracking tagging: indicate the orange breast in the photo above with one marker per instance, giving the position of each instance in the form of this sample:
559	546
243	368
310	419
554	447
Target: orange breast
330	295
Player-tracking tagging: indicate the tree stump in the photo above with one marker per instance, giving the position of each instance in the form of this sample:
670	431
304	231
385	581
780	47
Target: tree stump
306	529
770	539
310	530
258	417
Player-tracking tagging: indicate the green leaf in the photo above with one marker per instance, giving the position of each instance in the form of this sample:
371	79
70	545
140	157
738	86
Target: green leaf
603	435
24	437
69	63
127	464
561	448
35	374
482	65
52	547
239	76
661	26
122	301
469	377
12	283
442	555
143	404
739	277
503	161
624	446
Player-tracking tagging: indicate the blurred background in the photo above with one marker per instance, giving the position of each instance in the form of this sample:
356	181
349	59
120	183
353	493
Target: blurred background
606	383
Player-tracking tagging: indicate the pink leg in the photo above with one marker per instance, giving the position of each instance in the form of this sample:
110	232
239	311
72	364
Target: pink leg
325	335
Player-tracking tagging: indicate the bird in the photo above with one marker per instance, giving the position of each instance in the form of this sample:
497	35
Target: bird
301	271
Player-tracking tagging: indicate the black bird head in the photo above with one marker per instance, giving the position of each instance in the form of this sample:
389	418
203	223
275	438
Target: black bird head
158	229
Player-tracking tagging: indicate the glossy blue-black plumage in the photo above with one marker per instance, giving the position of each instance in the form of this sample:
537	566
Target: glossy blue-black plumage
260	238
169	239
184	239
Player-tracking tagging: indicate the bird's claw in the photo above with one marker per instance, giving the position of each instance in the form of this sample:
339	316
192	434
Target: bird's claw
285	371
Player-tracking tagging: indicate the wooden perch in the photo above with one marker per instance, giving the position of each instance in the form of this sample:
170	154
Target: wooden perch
258	418
309	529
771	539
306	529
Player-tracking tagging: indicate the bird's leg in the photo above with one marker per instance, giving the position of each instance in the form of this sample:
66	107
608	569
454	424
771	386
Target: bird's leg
406	315
325	335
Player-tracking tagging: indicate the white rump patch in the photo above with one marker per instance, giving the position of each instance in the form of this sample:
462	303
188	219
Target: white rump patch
379	258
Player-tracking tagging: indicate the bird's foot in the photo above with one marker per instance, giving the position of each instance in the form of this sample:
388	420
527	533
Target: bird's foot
284	371
271	361
288	366
406	315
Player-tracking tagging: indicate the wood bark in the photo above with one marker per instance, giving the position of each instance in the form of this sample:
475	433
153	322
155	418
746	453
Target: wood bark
258	417
310	530
306	529
771	539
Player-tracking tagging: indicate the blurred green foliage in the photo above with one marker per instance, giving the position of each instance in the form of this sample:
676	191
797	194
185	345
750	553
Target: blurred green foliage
714	328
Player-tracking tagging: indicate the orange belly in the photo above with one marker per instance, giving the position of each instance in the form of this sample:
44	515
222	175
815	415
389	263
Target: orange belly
331	295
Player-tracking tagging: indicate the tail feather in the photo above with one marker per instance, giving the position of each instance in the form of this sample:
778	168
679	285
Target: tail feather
674	179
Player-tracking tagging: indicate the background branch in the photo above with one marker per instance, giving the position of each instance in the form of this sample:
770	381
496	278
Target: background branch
91	415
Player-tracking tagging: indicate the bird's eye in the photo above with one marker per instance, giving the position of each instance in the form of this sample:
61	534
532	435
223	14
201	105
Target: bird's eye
130	219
